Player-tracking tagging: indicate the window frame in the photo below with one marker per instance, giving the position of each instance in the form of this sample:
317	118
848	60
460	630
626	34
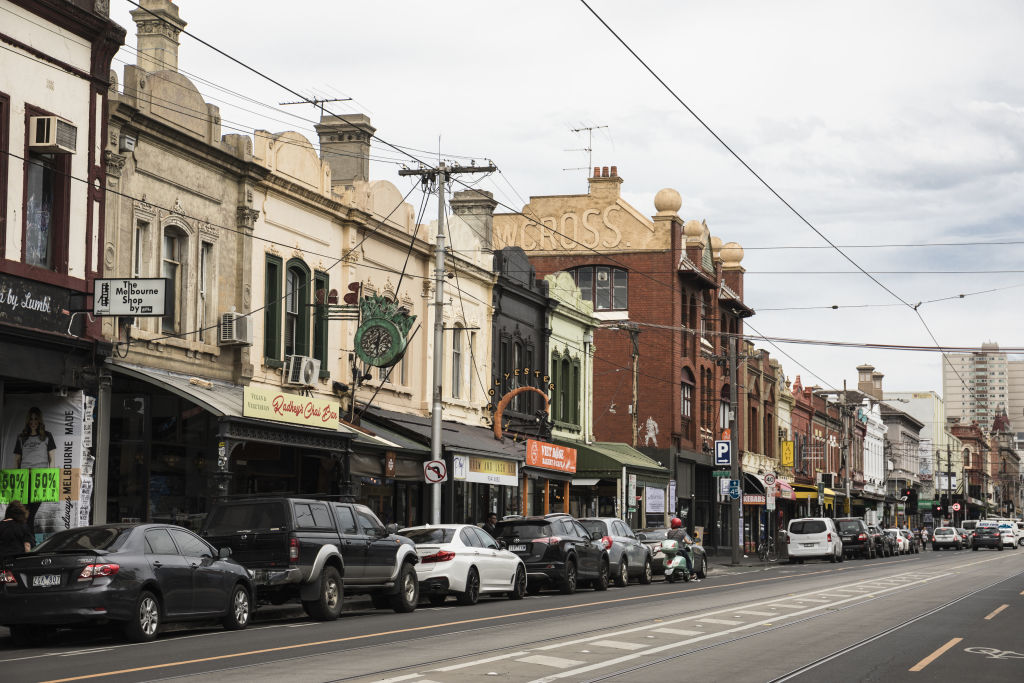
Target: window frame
273	270
301	342
174	311
321	282
589	292
456	361
5	139
206	292
62	201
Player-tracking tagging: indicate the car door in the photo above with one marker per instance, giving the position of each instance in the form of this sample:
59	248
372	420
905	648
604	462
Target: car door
502	564
381	550
209	592
636	552
589	550
172	572
474	549
353	546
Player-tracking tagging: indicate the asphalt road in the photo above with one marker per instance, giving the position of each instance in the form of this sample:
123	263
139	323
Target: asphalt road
933	616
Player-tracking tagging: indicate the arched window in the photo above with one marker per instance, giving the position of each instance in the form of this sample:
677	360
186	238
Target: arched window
686	403
564	389
605	287
456	361
723	408
296	309
518	401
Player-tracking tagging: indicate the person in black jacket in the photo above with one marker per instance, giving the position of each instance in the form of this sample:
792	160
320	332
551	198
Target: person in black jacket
678	533
490	526
14	535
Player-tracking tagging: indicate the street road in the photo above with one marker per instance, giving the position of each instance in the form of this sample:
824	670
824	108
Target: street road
929	617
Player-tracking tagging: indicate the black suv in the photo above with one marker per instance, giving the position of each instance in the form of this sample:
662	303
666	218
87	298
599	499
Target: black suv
986	536
557	550
316	551
857	538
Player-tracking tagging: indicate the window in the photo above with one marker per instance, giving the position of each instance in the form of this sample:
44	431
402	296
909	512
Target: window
5	111
346	522
564	395
296	310
368	522
47	194
320	287
469	539
686	403
472	364
158	542
191	545
456	361
723	408
312	516
272	309
517	363
139	238
605	287
206	296
171	266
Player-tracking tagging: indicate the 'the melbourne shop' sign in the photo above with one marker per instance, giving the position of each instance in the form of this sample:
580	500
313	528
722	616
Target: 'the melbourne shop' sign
27	303
268	404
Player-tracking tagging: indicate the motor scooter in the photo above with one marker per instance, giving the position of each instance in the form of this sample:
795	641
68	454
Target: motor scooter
675	560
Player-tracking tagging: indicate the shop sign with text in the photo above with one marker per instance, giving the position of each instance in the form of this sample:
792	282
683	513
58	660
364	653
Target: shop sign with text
473	468
550	456
268	404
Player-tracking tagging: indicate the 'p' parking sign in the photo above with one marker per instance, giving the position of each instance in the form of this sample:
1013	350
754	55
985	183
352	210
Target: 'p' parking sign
723	453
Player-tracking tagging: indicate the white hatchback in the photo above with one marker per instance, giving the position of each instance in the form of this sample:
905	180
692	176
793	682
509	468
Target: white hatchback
813	537
902	544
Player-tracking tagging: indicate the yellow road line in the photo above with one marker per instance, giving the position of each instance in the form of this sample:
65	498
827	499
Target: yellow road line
996	611
935	655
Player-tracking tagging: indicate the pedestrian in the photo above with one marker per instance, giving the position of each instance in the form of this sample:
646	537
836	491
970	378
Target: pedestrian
14	534
491	525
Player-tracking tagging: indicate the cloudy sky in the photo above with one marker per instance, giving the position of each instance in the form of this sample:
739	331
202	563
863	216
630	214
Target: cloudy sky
881	123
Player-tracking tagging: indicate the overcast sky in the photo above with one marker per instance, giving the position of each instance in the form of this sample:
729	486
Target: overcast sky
879	122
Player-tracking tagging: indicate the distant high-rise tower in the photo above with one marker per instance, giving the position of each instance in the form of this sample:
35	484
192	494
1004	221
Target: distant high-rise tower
976	385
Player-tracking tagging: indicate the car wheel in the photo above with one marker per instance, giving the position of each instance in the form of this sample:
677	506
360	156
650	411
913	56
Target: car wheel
408	590
472	592
601	582
327	606
518	585
437	600
239	609
832	558
702	573
145	623
1000	547
842	557
647	575
567	585
622	576
974	547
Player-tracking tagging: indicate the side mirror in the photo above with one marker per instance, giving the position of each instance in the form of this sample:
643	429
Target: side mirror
641	537
224	553
392	528
502	544
596	535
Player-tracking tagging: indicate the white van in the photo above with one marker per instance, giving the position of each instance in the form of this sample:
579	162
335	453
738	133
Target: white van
813	537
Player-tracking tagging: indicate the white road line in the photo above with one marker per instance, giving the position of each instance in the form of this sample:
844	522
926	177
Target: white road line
486	660
556	662
812	599
722	622
678	631
756	613
396	679
618	645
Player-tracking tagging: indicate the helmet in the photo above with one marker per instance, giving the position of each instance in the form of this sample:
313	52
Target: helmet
676	523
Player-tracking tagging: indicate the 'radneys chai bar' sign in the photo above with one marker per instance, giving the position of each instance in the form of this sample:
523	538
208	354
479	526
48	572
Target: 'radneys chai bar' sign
268	404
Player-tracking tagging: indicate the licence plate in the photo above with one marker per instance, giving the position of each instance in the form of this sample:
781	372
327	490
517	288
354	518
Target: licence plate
46	580
517	548
847	538
808	545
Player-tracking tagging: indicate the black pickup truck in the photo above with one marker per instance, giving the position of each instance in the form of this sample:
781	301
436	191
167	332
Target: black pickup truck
316	551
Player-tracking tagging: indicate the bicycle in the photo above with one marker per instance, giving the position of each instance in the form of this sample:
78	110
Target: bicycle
766	551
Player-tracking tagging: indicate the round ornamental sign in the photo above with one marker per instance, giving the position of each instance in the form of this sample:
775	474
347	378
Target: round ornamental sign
769	479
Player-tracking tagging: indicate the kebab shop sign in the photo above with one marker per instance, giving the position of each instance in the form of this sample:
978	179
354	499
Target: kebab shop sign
550	456
268	404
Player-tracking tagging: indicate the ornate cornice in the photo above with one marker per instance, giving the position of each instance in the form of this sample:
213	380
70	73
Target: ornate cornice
247	217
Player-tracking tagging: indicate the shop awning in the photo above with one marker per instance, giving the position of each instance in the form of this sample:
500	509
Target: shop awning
456	438
605	460
402	443
584	482
785	490
804	492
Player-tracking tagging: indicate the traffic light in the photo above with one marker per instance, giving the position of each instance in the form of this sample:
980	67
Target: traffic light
354	290
907	493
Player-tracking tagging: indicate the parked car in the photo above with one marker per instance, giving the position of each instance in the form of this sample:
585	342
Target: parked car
629	557
813	537
138	575
1008	532
465	561
946	537
316	552
557	551
902	545
912	544
653	538
857	539
885	546
986	535
1020	534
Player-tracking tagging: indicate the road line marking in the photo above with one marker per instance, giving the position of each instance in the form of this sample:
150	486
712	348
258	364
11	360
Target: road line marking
817	599
755	613
546	660
396	679
618	645
996	611
723	622
455	667
678	632
935	655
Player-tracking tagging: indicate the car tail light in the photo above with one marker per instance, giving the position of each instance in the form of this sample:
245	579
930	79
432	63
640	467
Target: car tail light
93	571
829	539
293	549
974	534
439	556
863	537
550	540
7	577
786	538
606	541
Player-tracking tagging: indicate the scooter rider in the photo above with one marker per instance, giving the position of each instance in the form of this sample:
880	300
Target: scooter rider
677	533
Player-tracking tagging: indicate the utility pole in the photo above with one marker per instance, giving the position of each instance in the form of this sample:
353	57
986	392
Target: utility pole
949	486
737	504
441	174
634	334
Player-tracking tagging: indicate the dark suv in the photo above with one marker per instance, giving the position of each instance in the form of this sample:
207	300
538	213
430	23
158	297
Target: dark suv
857	538
986	535
557	550
316	551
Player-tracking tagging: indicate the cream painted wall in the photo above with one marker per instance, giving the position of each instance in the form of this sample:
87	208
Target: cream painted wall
572	324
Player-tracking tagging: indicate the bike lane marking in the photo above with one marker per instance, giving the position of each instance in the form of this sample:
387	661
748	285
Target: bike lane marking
935	655
996	611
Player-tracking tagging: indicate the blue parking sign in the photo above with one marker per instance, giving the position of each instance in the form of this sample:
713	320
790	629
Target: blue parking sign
723	453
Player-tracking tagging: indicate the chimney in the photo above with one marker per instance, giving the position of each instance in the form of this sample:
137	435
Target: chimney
476	208
605	184
345	146
876	384
157	36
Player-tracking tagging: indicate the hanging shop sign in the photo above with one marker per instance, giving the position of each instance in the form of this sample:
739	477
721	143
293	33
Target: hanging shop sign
270	404
550	456
382	336
475	469
787	453
28	303
145	297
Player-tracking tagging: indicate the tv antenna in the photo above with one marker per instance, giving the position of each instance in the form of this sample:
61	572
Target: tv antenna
317	102
589	149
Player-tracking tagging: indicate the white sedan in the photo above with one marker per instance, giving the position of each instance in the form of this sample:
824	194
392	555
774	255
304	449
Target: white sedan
902	544
464	561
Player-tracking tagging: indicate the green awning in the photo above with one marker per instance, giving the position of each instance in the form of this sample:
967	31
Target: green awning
605	460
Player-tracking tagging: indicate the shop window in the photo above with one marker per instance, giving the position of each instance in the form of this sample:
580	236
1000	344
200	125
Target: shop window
457	361
605	287
172	255
272	309
296	309
47	195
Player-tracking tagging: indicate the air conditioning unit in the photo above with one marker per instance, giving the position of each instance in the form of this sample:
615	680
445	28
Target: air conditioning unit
301	371
52	134
235	330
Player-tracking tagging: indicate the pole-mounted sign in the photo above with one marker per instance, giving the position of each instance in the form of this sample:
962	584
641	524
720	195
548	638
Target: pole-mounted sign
137	297
723	453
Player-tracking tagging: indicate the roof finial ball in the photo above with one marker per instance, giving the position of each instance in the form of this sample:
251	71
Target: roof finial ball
732	254
667	202
716	247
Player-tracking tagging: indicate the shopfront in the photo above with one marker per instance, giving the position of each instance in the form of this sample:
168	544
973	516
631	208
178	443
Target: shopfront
547	477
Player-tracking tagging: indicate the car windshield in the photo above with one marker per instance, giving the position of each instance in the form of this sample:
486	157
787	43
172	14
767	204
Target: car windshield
653	534
229	519
524	530
807	526
88	538
848	526
592	525
429	535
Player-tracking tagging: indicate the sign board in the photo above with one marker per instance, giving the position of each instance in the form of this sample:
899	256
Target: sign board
734	489
44	485
655	499
672	495
956	507
723	453
723	487
770	503
630	490
14	485
753	499
721	473
276	405
140	297
787	453
435	471
769	480
481	470
550	456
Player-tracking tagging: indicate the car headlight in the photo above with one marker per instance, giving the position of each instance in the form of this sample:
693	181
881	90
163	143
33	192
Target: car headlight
251	573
